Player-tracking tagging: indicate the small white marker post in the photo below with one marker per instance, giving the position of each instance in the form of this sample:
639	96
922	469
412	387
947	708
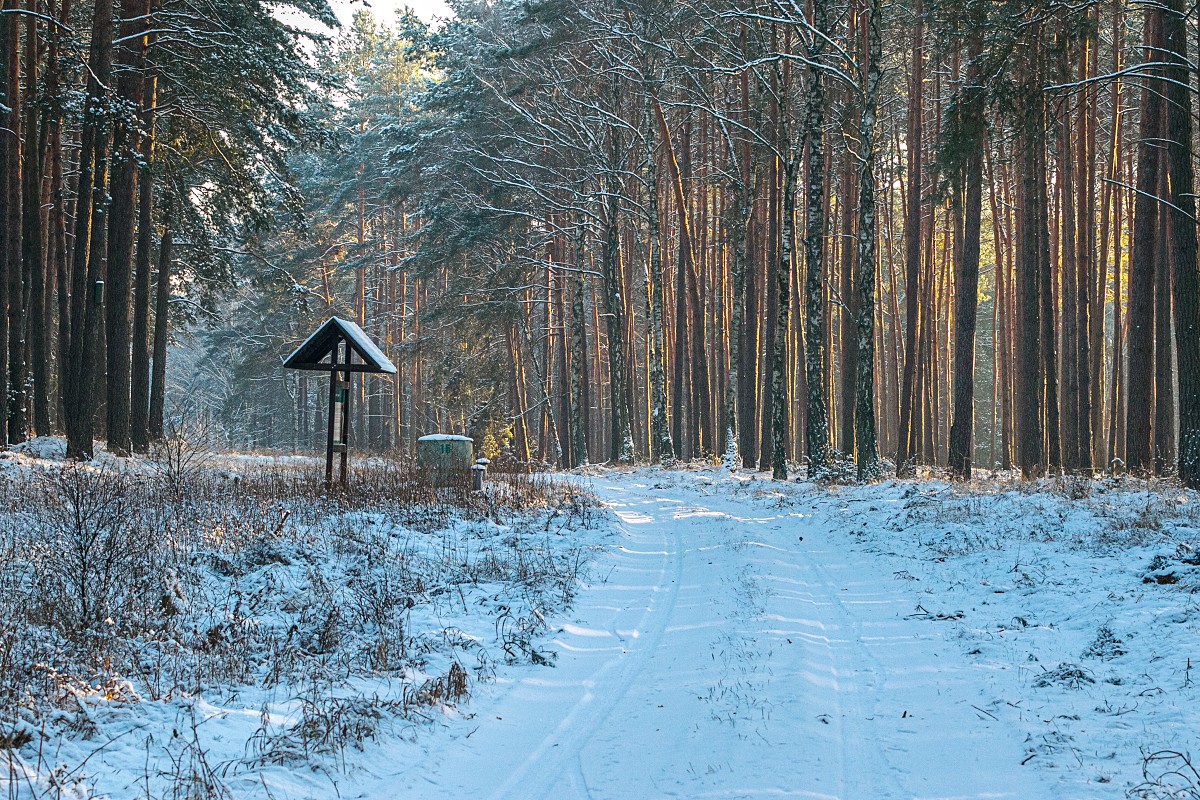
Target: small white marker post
479	473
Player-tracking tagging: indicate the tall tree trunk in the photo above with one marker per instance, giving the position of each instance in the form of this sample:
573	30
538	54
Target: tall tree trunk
614	306
1163	442
579	361
1116	438
39	197
782	273
10	209
907	445
1049	327
79	402
748	351
1145	258
966	277
816	423
1069	286
34	251
15	411
685	445
1089	365
847	308
770	316
162	314
1030	385
866	448
1183	241
139	415
737	270
58	206
661	448
121	222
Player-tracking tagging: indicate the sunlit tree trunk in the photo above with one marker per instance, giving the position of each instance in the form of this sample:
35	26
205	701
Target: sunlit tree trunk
907	442
661	447
866	447
966	277
1145	258
816	425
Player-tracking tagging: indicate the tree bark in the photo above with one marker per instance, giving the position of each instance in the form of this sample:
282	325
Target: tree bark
966	278
848	307
1163	432
622	451
1029	385
33	297
737	270
15	411
139	415
122	220
35	255
79	402
816	423
1183	242
1145	258
579	362
1090	365
780	427
1069	287
866	447
661	448
162	313
907	445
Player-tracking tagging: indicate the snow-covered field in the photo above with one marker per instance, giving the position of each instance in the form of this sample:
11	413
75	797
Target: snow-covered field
728	636
214	627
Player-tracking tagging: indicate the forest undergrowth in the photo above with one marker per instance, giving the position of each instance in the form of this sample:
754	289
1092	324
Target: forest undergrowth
188	582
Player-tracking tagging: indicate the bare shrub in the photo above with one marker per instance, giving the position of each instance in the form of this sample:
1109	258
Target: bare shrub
326	726
446	689
518	636
183	453
1168	775
191	776
94	564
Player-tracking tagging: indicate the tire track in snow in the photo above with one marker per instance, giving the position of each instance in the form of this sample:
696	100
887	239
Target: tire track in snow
857	676
542	772
943	752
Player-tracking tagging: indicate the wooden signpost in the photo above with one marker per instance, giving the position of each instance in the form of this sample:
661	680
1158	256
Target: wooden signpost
340	348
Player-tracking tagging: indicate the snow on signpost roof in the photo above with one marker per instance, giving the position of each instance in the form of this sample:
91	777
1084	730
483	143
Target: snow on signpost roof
445	437
321	343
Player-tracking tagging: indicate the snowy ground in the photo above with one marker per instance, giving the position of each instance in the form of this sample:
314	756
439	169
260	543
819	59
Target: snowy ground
736	637
740	638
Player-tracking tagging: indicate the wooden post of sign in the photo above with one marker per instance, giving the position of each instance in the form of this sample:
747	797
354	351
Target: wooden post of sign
346	395
333	389
339	415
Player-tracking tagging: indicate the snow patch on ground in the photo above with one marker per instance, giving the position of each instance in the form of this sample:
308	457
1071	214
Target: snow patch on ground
731	636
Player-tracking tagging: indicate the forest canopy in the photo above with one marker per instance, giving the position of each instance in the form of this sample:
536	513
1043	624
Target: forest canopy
854	235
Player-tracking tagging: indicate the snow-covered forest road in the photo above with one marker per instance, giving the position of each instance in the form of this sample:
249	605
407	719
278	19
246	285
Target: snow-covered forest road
727	648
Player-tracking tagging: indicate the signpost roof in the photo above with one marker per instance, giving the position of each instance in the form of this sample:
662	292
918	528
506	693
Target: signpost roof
323	342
